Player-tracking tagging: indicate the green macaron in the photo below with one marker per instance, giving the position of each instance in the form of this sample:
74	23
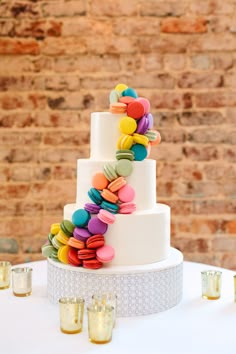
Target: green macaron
47	250
125	154
67	227
124	167
109	172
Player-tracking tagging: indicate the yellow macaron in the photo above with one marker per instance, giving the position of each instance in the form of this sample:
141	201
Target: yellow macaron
121	87
140	139
127	125
61	237
55	228
125	141
63	254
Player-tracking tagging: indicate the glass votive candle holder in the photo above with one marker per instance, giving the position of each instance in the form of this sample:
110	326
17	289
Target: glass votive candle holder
71	314
100	323
22	281
5	274
211	284
106	299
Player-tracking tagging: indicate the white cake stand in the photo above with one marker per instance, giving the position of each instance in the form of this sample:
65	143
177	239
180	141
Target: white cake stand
140	290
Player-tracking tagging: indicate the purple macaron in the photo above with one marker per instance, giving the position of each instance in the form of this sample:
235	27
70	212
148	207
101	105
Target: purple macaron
143	125
96	226
92	208
149	116
81	233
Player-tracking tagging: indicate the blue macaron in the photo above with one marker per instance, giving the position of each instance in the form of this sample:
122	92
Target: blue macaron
130	92
81	218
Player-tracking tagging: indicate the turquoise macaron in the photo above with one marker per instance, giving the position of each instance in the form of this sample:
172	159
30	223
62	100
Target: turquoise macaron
140	152
81	218
95	196
112	208
130	92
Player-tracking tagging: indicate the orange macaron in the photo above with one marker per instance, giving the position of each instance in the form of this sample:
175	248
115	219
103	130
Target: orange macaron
99	181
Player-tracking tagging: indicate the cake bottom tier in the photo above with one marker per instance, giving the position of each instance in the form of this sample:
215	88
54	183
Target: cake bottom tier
140	290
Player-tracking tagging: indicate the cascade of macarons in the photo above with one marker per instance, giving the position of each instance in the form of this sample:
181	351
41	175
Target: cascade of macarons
81	241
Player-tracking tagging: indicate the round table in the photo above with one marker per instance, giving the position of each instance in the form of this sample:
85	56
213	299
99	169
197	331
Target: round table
196	326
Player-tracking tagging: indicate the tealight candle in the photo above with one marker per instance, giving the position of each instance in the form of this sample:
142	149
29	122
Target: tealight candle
22	281
71	314
100	323
5	271
211	284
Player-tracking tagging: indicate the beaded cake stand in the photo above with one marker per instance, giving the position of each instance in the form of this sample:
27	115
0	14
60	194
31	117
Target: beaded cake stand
140	290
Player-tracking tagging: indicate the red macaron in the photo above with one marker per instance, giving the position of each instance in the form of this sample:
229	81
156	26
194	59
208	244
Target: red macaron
92	264
95	241
86	254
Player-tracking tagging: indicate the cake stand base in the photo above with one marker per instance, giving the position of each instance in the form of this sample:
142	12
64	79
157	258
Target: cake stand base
140	290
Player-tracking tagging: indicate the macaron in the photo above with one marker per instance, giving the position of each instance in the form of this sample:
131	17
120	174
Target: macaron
127	208
121	87
140	139
61	237
113	208
73	257
106	217
124	154
118	108
63	254
109	196
140	152
81	233
109	172
124	167
96	226
95	196
117	184
50	237
80	217
127	125
67	227
54	229
126	99
145	103
54	255
129	91
135	109
157	140
143	124
126	193
56	243
92	264
114	96
92	208
47	250
99	181
105	254
95	241
78	244
125	141
150	119
87	253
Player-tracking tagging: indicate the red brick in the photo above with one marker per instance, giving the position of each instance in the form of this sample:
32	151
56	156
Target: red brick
176	62
55	189
178	206
54	208
67	45
4	173
21	208
228	261
218	42
42	173
62	8
18	155
171	100
62	82
214	206
14	191
212	136
229	226
172	136
230	79
229	154
74	27
211	7
201	61
165	188
201	153
38	29
162	8
20	227
131	63
64	172
140	28
22	172
21	83
183	25
165	119
11	101
19	46
201	118
60	155
152	62
173	151
212	99
219	171
22	9
196	189
167	43
67	138
192	245
113	8
16	139
200	80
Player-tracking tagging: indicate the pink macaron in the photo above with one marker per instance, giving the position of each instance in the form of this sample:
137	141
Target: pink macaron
126	193
105	254
127	208
106	217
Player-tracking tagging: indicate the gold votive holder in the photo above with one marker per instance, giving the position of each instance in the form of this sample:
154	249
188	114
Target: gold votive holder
106	299
5	275
22	281
100	323
71	314
211	284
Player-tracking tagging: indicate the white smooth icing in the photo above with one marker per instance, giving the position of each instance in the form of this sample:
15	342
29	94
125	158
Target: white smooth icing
142	179
139	238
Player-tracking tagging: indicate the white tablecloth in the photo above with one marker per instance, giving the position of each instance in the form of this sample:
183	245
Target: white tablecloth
196	326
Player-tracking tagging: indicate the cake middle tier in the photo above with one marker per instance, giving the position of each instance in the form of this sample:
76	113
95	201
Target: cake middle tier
139	238
142	179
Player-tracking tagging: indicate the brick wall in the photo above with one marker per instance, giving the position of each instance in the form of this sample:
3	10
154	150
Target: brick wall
58	61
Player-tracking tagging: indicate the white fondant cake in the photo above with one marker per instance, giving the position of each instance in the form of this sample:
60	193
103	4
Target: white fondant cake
145	267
